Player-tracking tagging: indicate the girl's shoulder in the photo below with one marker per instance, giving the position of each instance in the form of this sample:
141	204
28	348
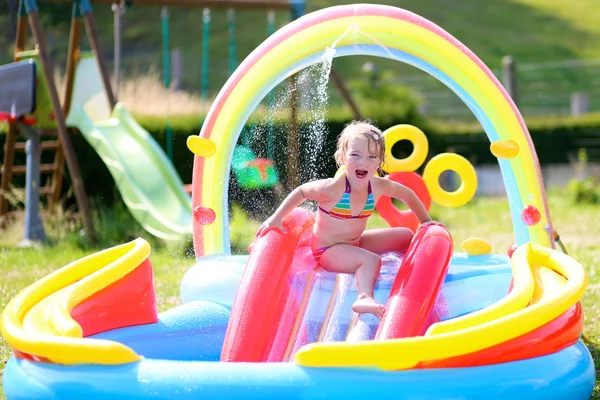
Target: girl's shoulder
381	186
330	185
378	182
327	189
322	184
336	181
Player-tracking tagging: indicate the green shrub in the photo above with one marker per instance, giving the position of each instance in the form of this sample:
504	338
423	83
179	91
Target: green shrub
242	229
584	191
385	102
557	140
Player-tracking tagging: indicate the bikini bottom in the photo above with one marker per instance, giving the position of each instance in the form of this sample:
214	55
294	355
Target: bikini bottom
319	252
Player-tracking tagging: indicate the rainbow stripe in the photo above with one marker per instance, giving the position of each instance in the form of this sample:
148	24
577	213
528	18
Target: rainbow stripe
367	30
342	208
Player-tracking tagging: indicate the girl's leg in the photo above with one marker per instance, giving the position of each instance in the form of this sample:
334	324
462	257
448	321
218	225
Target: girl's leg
384	240
349	259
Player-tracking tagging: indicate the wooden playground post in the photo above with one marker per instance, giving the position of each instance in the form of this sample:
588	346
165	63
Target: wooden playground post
63	134
92	34
22	26
293	155
9	155
118	8
509	78
339	82
296	11
72	56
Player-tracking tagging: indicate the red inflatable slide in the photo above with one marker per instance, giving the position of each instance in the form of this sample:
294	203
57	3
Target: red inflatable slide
417	284
257	309
258	313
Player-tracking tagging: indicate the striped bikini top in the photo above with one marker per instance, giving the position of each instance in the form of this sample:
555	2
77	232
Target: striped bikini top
342	209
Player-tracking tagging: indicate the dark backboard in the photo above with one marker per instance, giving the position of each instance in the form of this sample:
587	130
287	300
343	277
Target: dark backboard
17	87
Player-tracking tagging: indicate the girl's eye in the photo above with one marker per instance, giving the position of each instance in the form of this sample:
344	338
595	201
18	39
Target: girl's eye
372	156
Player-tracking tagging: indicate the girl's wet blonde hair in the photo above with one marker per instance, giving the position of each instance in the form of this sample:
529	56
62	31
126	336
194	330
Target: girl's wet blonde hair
361	129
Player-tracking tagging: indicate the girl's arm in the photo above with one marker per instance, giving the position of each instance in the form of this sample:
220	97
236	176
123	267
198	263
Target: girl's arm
308	191
398	191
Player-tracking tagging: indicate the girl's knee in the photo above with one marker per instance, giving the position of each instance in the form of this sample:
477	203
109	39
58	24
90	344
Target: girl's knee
373	259
405	238
405	233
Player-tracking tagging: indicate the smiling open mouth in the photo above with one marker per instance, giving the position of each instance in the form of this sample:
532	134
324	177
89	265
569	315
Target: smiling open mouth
361	173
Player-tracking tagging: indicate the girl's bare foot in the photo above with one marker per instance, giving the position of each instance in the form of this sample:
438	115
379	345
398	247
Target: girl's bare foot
367	305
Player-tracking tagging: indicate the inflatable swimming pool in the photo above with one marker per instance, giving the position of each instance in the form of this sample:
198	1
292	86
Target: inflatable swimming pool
72	338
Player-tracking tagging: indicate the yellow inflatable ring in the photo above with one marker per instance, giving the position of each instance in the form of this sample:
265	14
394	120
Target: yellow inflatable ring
464	169
416	158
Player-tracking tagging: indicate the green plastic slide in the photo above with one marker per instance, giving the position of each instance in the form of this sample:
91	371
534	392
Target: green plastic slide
145	177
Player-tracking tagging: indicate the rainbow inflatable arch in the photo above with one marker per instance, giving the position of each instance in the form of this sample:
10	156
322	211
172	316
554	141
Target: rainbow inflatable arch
272	324
375	30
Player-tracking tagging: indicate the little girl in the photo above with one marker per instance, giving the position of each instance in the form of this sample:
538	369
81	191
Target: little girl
340	243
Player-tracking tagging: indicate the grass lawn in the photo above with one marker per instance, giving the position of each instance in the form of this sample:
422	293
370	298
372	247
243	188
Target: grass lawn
482	217
529	30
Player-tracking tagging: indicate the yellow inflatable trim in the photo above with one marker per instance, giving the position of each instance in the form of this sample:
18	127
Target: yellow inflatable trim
476	246
201	147
516	300
552	282
505	149
38	320
491	326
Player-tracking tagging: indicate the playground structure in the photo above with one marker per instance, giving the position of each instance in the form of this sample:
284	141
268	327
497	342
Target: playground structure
457	325
64	148
168	218
157	201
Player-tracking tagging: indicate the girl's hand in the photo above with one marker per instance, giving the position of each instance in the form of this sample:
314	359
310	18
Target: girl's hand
270	223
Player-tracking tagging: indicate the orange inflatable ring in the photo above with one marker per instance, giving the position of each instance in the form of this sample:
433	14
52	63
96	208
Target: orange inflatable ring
405	218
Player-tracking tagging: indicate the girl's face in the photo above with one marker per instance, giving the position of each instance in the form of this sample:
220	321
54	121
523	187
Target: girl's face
360	162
